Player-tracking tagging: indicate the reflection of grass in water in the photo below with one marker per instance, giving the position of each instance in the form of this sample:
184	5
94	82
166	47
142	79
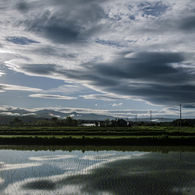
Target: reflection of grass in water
70	148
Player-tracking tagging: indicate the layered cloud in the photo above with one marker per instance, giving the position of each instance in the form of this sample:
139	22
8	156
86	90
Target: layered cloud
50	96
104	97
121	50
5	87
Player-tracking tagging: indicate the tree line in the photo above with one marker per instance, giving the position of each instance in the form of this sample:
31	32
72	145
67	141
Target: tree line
69	121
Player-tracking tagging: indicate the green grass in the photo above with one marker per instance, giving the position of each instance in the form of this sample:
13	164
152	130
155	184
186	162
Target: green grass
92	130
106	135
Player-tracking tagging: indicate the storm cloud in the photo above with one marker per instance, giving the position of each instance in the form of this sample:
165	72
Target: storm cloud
68	22
159	78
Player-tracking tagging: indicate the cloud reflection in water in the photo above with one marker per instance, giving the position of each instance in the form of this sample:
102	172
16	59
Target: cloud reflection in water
147	174
54	157
4	166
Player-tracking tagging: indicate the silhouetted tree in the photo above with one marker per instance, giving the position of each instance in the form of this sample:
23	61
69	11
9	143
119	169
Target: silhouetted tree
70	121
54	119
107	122
17	120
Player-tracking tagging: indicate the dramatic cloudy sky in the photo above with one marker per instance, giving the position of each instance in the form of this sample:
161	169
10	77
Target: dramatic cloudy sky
105	56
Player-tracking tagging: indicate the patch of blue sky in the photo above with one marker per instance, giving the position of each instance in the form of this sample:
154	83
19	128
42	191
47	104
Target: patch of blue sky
108	43
114	17
153	9
17	78
20	40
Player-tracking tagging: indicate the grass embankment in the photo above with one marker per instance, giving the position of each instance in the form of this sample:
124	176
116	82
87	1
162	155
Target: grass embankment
70	148
98	136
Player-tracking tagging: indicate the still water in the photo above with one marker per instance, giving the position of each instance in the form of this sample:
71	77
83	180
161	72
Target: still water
95	173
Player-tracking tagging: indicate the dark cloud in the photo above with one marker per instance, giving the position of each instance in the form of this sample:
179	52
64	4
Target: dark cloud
156	77
70	22
188	105
148	66
150	76
188	23
65	34
20	40
22	6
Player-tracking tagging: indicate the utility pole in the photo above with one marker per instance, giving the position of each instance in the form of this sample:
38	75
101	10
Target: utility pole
136	118
180	115
150	116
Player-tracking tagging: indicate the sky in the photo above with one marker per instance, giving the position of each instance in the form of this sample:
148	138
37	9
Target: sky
119	58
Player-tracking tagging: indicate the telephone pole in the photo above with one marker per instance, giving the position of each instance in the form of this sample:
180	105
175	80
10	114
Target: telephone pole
150	116
180	115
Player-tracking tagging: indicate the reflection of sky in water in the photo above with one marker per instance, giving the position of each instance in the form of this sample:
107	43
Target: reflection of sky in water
103	172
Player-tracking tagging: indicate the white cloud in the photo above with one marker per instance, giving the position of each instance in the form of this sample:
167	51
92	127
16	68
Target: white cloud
50	96
54	157
10	114
1	73
5	87
1	180
104	97
116	105
70	88
17	166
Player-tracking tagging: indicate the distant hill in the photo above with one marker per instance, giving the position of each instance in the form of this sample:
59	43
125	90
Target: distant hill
27	116
5	119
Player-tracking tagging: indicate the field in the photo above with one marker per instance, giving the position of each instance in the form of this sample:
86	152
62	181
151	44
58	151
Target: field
137	135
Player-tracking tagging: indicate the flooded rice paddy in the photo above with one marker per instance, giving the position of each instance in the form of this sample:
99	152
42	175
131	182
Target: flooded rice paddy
96	173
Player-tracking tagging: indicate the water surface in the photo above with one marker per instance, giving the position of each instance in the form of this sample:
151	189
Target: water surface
103	172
